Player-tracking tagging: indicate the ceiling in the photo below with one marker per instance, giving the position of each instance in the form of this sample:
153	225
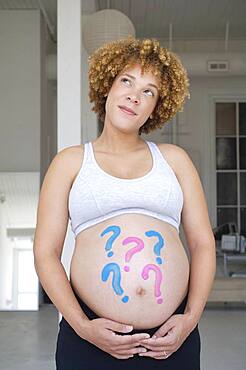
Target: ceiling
49	8
49	5
191	19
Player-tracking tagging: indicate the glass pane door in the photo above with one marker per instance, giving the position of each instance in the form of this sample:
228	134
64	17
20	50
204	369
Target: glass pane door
231	163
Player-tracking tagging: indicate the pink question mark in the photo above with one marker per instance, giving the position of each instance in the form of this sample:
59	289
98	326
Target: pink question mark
145	275
138	248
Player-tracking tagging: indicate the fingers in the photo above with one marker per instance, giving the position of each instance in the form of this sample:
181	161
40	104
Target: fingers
115	326
134	339
167	341
160	355
132	351
129	345
159	348
165	328
125	353
121	357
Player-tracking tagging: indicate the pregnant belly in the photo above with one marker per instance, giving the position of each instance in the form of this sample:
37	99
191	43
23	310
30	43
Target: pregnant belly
132	269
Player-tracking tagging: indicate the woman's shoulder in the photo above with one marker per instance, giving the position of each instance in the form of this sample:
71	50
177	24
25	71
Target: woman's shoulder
71	151
179	159
174	154
69	159
172	150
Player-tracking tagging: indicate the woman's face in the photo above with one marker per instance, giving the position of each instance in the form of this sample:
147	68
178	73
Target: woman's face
135	92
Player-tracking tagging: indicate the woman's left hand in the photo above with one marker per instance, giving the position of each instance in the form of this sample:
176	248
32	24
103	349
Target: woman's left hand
169	337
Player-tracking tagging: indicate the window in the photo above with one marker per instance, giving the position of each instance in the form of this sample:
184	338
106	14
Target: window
231	163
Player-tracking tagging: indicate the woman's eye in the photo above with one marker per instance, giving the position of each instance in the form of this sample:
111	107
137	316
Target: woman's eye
151	92
125	79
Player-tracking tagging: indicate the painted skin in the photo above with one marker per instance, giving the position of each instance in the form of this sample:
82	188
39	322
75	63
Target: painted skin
115	269
142	311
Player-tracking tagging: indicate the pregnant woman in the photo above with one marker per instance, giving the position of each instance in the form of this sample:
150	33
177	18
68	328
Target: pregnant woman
133	299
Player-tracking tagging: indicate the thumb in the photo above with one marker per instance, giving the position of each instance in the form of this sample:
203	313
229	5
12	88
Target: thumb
163	330
116	326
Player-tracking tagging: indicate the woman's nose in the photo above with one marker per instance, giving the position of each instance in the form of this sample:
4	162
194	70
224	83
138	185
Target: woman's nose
133	98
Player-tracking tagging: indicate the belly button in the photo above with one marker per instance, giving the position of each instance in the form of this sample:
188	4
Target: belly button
140	291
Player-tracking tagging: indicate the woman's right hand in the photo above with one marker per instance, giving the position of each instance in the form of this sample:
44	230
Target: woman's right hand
101	333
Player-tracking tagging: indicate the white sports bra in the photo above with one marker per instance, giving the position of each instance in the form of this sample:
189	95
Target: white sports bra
96	195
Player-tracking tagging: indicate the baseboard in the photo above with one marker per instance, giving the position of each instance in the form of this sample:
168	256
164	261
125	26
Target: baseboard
228	290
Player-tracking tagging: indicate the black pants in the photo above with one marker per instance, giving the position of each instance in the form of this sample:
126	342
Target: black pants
75	353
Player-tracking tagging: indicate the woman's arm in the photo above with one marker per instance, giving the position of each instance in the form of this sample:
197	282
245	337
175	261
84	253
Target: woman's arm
201	243
199	236
52	220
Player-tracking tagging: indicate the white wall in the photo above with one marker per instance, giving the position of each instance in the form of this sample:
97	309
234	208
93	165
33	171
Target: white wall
27	102
89	118
48	119
19	90
19	116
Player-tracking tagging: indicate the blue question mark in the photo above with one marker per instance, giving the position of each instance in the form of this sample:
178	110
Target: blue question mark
158	245
116	231
114	267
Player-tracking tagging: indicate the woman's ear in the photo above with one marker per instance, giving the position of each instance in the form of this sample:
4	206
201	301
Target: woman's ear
151	116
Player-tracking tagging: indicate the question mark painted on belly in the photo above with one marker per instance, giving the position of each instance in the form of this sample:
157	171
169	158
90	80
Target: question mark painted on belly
114	267
158	279
138	248
116	231
158	245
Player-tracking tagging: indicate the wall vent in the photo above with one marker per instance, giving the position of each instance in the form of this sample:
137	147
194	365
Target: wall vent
218	66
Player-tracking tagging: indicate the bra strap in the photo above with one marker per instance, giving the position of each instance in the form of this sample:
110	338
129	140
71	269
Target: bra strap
89	154
157	153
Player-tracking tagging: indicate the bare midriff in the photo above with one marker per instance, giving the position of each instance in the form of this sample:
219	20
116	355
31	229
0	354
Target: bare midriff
131	268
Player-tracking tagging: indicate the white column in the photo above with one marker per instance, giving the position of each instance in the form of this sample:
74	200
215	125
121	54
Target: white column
69	55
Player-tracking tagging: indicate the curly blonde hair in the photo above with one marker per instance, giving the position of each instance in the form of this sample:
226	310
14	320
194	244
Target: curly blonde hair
111	58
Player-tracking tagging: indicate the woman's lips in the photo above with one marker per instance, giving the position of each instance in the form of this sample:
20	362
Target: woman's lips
127	112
